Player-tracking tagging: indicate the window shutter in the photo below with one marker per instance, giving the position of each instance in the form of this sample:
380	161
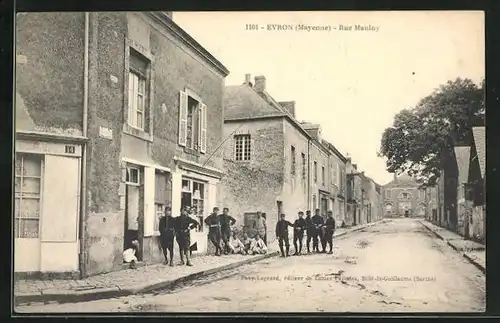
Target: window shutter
183	112
149	200
203	130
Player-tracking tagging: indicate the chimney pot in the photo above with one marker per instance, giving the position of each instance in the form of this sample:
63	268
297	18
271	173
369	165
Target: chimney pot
248	78
260	83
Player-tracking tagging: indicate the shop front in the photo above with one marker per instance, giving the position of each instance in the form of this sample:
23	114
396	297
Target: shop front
47	204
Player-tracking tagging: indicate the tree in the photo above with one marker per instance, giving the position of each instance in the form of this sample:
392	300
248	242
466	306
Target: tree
419	137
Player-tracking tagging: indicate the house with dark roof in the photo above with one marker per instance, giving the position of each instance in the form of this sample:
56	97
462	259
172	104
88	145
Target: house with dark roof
475	187
274	163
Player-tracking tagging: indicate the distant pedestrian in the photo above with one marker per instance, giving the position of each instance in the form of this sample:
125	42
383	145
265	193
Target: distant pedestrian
318	222
260	225
226	221
184	225
282	235
167	234
309	230
248	243
298	233
329	230
214	230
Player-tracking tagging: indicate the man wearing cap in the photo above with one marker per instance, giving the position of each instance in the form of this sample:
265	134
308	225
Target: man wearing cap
167	234
298	233
260	225
226	221
282	235
329	230
213	221
309	230
184	224
318	222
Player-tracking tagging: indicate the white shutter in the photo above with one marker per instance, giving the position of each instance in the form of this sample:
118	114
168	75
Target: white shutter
149	200
131	99
183	114
203	130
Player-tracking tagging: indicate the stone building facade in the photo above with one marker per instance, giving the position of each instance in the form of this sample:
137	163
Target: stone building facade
338	182
141	103
403	197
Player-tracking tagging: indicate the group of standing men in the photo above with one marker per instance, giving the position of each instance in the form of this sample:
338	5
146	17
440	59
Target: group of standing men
317	229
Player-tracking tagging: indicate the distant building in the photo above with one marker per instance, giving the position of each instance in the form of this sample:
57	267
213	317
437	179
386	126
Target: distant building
403	197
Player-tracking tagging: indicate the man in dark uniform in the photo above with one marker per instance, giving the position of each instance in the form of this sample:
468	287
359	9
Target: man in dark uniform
184	224
309	230
167	234
318	222
226	221
298	233
329	230
282	235
213	221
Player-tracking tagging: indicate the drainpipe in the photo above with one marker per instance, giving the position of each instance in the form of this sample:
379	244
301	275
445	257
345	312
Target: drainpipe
308	174
83	194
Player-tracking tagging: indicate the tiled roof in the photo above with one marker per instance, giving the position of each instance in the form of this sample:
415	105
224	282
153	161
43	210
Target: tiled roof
462	154
23	119
402	180
241	101
480	142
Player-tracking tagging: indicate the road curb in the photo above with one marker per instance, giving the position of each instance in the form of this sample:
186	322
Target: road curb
70	296
465	255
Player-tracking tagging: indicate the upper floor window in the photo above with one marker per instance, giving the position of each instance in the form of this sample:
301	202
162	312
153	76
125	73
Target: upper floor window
303	165
192	122
323	175
293	161
405	195
242	147
388	194
315	171
138	90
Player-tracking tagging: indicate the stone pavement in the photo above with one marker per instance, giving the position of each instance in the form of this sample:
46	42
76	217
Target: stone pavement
143	279
471	250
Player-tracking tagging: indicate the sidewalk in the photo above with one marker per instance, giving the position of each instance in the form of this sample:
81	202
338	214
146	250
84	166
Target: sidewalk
474	252
144	279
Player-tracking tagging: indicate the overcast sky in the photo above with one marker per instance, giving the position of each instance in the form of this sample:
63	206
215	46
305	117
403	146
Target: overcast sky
351	82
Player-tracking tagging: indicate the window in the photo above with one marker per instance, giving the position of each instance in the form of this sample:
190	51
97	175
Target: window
314	202
192	122
303	166
405	195
137	90
199	203
27	195
315	172
337	175
323	175
242	147
293	161
132	176
387	194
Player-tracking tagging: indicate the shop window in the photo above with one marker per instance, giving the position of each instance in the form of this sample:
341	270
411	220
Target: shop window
28	185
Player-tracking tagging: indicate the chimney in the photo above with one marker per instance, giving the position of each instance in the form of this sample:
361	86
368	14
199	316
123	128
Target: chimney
260	83
289	106
248	79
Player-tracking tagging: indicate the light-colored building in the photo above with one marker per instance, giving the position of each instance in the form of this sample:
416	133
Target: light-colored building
403	197
128	122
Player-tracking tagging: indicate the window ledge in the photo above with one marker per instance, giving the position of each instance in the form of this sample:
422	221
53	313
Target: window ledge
191	151
141	134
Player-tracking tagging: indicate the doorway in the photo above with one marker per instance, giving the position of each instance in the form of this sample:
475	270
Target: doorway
407	214
133	214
